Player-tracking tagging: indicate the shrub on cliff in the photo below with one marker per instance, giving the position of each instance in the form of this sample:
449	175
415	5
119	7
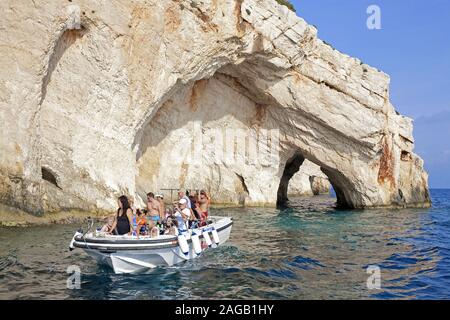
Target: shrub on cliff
287	3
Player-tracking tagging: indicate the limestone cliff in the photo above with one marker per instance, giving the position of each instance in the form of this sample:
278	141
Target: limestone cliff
99	98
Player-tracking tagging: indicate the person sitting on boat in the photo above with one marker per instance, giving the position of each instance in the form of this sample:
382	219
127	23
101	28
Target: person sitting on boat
108	227
141	223
124	217
134	224
154	232
171	227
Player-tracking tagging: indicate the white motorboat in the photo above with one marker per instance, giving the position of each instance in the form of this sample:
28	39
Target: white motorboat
130	254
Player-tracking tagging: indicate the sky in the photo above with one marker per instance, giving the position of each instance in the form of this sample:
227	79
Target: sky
413	47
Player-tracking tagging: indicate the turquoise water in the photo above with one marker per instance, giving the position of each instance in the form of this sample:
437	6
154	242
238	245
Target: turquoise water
307	251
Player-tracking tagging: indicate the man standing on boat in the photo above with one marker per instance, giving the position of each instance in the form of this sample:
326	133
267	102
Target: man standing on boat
160	199
154	208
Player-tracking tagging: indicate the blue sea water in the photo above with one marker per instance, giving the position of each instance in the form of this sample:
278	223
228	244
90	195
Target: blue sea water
306	251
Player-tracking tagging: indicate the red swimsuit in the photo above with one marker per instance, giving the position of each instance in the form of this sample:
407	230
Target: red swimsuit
203	218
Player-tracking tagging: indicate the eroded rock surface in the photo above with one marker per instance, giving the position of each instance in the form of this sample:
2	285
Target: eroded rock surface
94	95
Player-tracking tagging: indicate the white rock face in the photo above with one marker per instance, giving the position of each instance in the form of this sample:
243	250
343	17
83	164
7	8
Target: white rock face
308	181
95	97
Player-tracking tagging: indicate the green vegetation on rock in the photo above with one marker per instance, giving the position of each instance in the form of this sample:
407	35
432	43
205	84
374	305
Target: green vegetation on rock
287	3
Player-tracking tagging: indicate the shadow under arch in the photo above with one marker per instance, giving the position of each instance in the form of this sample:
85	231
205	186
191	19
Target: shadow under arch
200	103
292	166
337	180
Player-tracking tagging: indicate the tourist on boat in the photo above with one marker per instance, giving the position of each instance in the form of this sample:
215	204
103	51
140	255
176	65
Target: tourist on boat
198	213
160	199
177	208
182	195
141	223
168	213
132	206
135	216
108	227
203	207
194	203
134	225
171	227
154	209
124	217
154	232
186	213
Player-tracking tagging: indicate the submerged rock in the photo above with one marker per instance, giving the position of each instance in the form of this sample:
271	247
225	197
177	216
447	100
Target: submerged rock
99	99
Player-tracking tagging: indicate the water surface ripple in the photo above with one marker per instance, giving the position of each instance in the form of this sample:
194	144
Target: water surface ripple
306	251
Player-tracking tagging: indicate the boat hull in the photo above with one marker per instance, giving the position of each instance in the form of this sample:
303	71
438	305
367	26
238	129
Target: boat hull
131	255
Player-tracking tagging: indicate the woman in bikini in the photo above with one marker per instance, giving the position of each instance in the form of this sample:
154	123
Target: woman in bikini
203	207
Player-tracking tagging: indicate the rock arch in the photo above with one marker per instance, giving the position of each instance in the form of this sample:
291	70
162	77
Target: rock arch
309	181
297	78
137	58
